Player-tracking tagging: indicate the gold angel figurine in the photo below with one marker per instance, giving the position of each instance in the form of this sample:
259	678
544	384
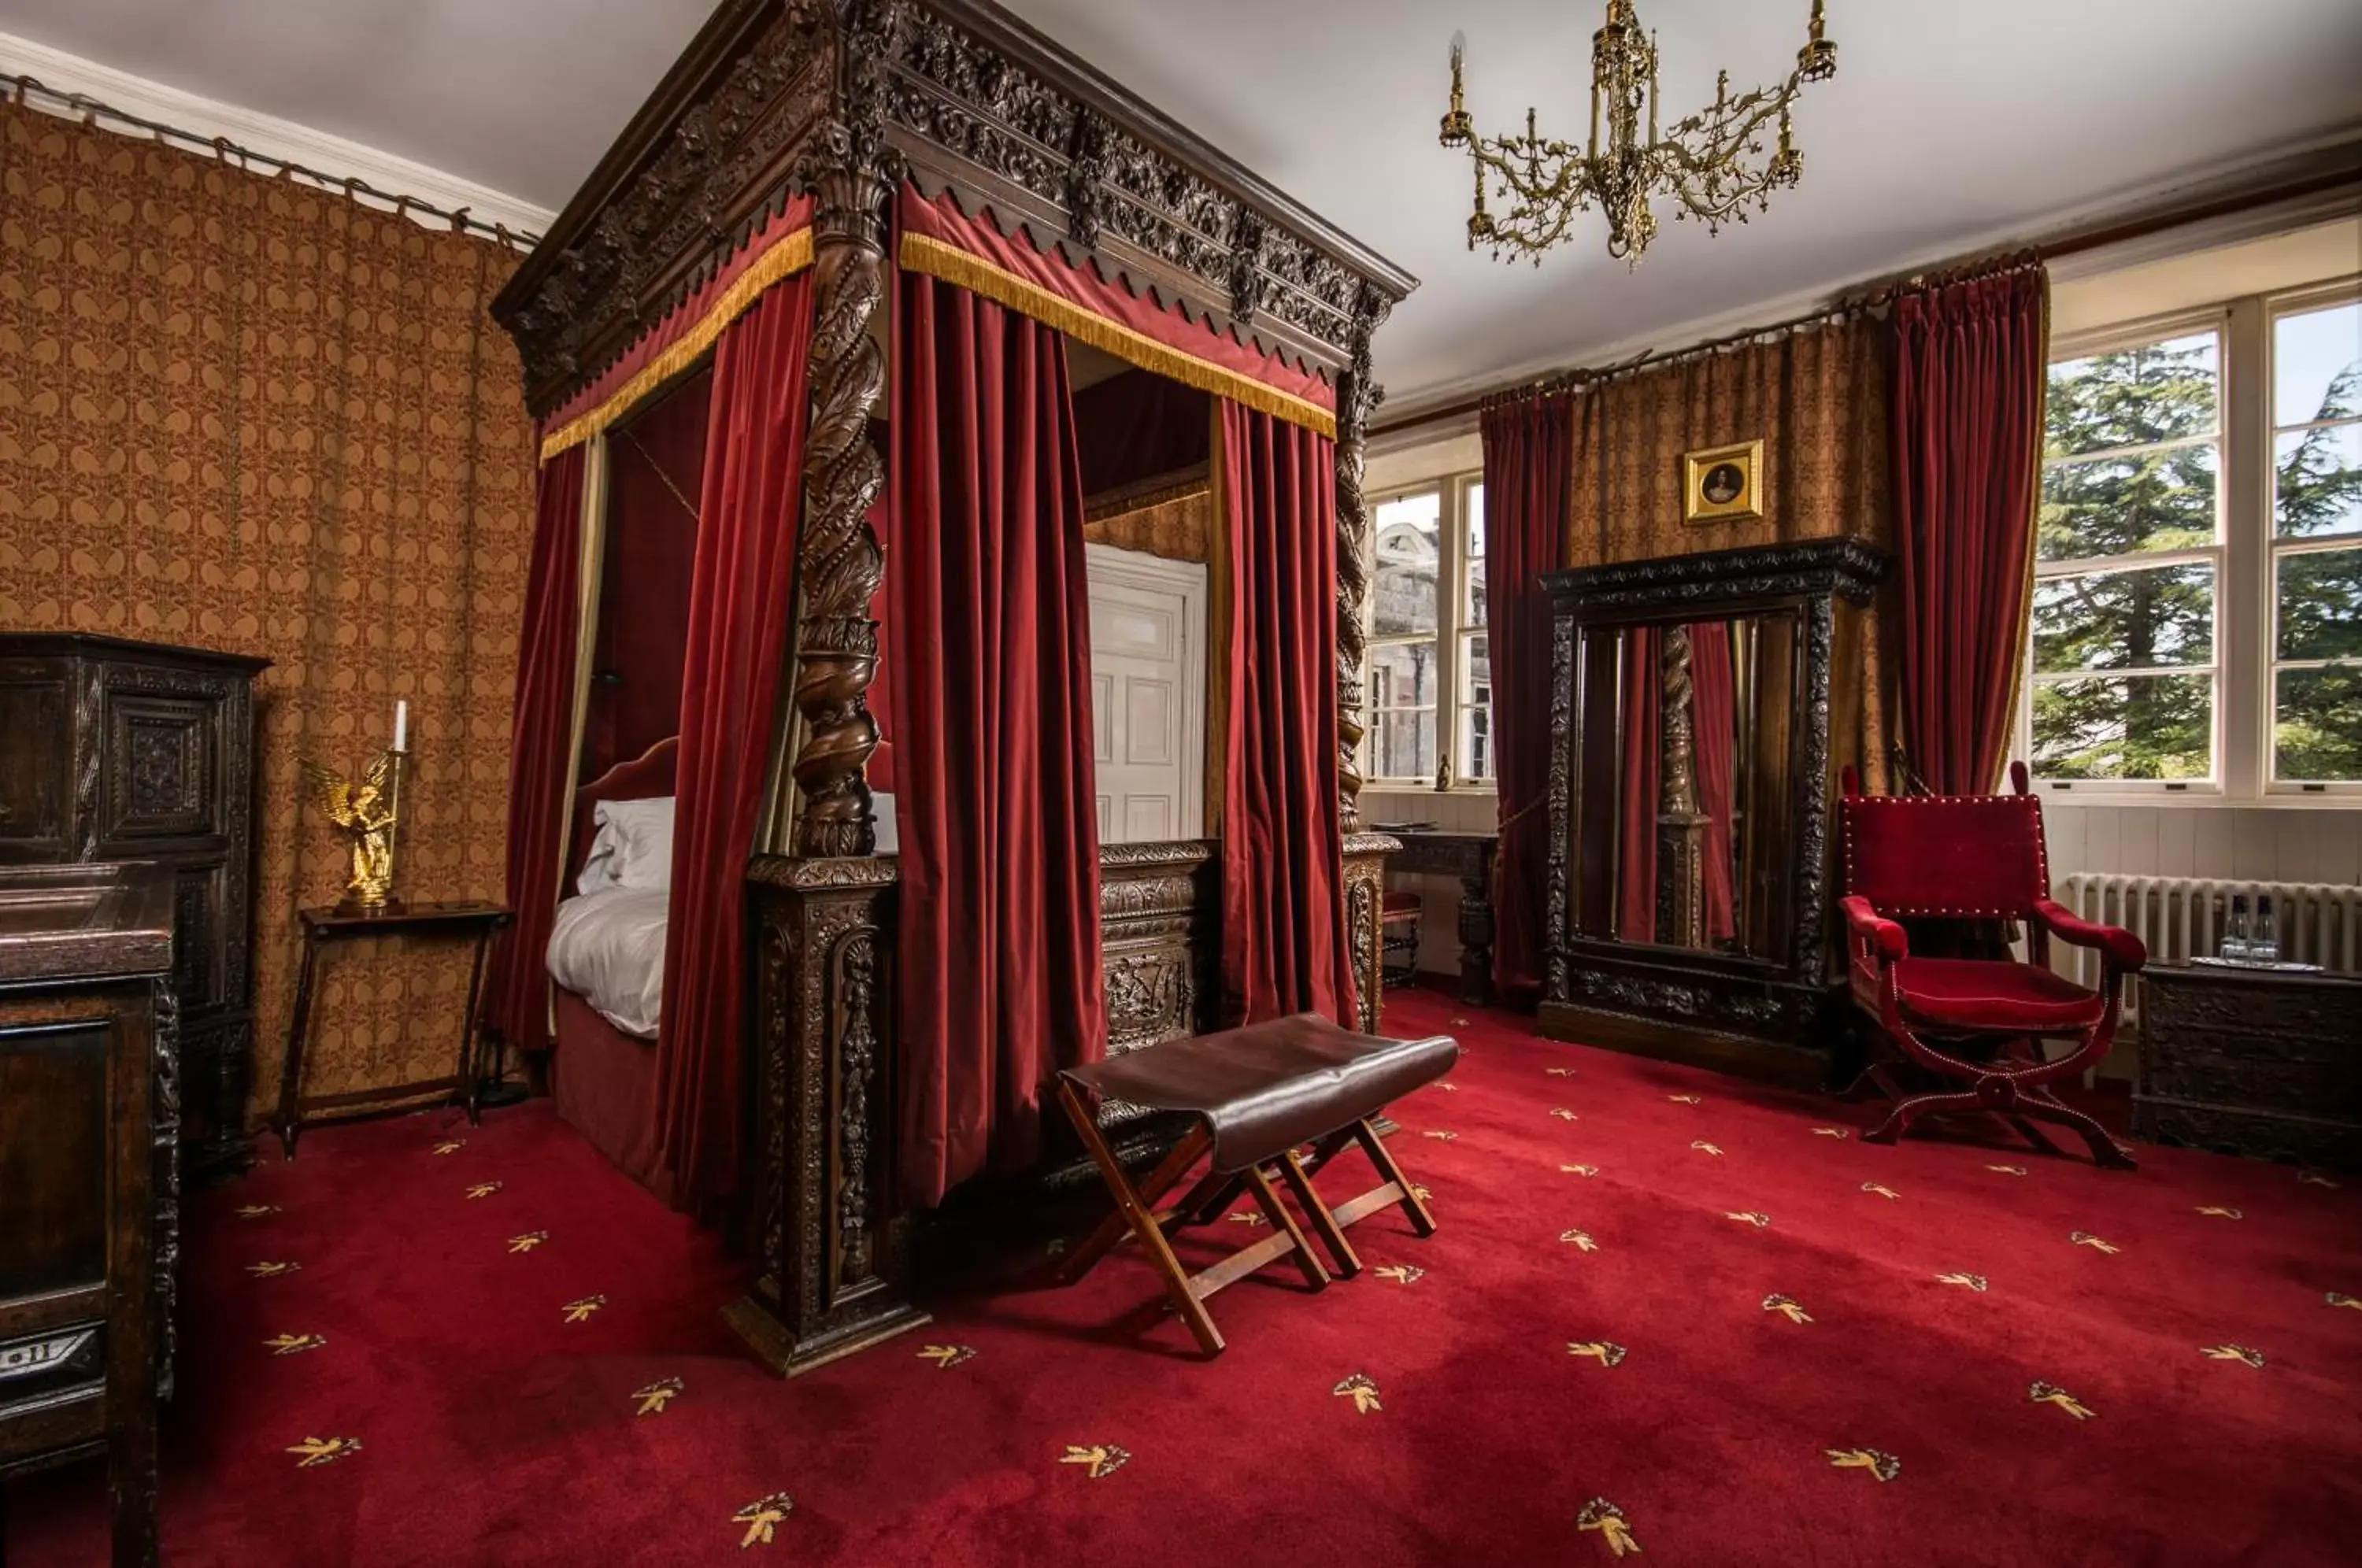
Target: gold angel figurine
367	812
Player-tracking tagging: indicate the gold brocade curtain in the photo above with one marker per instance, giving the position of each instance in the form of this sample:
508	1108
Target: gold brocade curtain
1817	396
245	413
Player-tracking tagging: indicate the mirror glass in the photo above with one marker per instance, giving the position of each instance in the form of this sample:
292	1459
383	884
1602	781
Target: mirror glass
1692	779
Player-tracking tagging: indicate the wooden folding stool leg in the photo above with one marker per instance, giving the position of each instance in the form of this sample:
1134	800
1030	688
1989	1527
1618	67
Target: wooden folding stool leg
1134	1213
1394	1188
1331	1234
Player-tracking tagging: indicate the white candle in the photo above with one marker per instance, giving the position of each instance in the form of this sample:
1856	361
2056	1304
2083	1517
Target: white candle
401	724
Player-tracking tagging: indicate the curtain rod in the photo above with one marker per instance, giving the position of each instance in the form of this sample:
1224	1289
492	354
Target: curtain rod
352	187
1875	295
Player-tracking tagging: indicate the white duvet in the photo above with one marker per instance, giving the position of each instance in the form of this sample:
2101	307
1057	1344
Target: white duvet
608	948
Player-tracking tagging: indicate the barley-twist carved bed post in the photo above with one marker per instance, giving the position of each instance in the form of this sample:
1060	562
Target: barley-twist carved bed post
840	562
1357	395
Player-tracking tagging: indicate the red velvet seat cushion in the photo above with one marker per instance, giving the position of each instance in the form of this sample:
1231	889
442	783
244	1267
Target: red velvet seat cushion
1400	902
1975	993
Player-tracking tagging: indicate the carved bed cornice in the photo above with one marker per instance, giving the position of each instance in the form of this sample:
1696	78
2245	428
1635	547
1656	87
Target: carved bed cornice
1848	567
976	104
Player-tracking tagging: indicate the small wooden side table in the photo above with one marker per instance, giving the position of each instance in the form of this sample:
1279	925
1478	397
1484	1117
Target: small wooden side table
2251	1061
322	926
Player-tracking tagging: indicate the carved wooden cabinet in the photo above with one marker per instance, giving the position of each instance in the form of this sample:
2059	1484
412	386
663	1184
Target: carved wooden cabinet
121	751
1698	720
2250	1062
89	1143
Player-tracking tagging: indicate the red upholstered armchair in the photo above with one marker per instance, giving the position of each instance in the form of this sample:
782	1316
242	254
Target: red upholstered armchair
1985	1020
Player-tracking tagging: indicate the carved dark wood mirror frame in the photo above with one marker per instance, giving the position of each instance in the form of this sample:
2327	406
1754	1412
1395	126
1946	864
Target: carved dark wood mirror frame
843	99
1766	1013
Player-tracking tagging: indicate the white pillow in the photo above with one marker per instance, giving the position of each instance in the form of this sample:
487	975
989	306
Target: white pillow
633	847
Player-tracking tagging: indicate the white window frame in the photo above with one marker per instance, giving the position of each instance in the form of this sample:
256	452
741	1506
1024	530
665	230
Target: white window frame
2129	335
1451	627
2275	549
2245	556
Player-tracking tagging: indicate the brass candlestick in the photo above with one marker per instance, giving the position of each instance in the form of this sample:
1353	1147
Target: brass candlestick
369	813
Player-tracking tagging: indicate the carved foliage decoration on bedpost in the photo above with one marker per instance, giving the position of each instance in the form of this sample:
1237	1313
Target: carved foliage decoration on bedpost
1357	395
840	561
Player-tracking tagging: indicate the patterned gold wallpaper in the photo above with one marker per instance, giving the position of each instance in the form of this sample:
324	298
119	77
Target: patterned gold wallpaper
244	414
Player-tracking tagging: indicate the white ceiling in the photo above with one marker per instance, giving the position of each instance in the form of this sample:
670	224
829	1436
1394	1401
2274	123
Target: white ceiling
1950	126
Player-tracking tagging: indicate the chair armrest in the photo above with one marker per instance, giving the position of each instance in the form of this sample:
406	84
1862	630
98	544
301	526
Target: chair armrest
1875	932
2121	948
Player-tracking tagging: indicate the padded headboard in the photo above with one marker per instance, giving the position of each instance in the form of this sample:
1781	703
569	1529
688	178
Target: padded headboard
649	776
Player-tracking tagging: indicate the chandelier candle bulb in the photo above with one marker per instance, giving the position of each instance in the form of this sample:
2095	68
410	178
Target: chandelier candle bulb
400	727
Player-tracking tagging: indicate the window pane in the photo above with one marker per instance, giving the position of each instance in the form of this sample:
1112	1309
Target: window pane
1402	675
2116	506
2321	605
1410	530
2156	726
1473	611
2317	482
2317	365
2317	725
1477	521
2124	620
2156	391
1402	744
1472	756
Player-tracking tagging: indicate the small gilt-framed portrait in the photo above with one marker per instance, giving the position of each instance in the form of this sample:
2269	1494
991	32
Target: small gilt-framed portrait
1719	482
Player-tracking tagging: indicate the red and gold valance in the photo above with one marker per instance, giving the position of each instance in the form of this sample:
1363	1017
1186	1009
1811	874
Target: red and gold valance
941	242
779	248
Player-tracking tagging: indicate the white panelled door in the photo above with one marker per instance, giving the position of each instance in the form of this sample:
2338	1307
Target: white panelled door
1148	695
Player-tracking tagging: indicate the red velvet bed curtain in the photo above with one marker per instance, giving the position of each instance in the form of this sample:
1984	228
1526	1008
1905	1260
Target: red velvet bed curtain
541	732
1969	375
1714	723
1284	944
988	629
1529	467
1636	861
740	586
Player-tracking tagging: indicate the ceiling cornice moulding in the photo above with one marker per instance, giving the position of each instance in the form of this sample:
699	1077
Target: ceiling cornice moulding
267	134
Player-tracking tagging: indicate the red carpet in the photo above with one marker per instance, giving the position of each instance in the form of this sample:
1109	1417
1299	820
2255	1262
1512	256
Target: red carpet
482	1427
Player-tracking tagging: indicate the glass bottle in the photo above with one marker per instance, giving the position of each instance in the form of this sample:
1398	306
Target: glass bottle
2264	942
2234	933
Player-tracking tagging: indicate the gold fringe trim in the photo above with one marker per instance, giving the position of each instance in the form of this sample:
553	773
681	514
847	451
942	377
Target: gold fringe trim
788	256
923	253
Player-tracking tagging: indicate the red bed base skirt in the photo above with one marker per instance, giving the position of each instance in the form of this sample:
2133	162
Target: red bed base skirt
604	1082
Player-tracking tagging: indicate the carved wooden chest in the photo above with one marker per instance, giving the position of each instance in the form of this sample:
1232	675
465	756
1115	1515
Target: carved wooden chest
2252	1063
121	751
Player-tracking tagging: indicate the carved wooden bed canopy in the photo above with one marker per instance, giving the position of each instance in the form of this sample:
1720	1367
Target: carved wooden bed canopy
843	99
843	108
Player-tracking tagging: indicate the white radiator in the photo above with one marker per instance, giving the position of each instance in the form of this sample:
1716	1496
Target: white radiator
2182	917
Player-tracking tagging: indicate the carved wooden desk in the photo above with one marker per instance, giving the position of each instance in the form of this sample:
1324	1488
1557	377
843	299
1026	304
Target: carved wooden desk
1469	856
321	926
2251	1061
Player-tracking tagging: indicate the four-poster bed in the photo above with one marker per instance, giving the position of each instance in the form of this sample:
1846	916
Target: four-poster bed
825	201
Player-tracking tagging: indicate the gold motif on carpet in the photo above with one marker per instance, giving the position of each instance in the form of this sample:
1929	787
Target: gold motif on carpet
1787	1307
1607	1521
1100	1460
1975	1282
1884	1466
2247	1354
656	1395
579	1311
312	1453
946	1357
527	1241
1607	1353
762	1518
1362	1391
2051	1394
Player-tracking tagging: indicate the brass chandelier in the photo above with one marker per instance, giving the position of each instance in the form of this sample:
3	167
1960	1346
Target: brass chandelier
1711	162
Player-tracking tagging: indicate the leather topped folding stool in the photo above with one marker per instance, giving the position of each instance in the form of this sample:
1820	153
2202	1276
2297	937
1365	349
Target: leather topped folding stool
1259	1094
